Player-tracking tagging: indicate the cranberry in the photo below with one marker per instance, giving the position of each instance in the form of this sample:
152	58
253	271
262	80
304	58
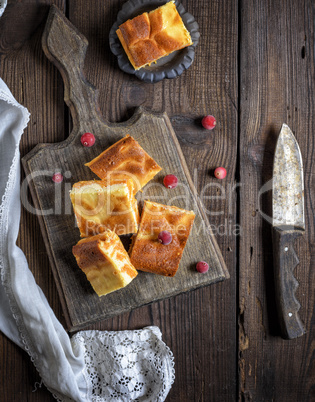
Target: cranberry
209	122
202	267
170	181
87	139
165	237
220	173
57	178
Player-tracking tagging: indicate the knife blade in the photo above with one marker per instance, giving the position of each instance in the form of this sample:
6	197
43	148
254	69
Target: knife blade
288	224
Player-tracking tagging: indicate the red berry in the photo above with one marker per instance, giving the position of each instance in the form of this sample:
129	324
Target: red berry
202	267
57	178
220	173
170	181
209	122
87	139
165	237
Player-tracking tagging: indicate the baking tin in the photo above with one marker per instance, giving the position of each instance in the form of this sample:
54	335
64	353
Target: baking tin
170	66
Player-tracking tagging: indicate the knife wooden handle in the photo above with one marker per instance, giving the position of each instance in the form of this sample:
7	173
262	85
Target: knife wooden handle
66	47
285	260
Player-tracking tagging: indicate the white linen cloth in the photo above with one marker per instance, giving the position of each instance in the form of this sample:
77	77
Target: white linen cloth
92	365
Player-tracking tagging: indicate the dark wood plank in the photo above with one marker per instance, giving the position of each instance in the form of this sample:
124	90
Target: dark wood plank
198	326
35	84
66	47
276	86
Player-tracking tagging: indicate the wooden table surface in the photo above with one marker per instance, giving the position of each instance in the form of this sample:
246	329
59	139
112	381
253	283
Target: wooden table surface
253	70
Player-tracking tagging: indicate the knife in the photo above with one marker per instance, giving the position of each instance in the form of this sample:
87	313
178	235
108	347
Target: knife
288	224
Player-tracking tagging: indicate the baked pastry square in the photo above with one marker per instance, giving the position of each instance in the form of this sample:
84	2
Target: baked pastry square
125	159
99	206
147	253
150	36
105	262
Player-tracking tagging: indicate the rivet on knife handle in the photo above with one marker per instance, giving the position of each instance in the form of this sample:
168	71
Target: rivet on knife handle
285	260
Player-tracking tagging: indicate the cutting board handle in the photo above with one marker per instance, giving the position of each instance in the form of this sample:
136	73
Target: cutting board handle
285	260
66	47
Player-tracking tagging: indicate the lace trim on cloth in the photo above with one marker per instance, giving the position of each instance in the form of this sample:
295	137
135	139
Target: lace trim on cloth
120	366
126	365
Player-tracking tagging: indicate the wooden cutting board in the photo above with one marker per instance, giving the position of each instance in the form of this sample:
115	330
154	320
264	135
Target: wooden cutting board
66	48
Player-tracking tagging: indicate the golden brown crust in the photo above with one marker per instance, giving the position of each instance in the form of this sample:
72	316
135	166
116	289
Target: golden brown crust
105	262
87	251
99	206
150	36
136	29
147	253
145	50
125	159
126	49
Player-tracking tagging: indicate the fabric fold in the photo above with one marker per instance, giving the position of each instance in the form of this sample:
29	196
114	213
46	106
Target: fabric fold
130	365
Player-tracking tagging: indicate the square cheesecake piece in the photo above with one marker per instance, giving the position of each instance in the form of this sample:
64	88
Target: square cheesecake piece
150	36
125	160
99	206
147	253
105	262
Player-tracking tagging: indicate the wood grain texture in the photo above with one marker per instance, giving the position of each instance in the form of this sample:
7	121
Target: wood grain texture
276	54
66	47
285	261
198	326
36	84
276	86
